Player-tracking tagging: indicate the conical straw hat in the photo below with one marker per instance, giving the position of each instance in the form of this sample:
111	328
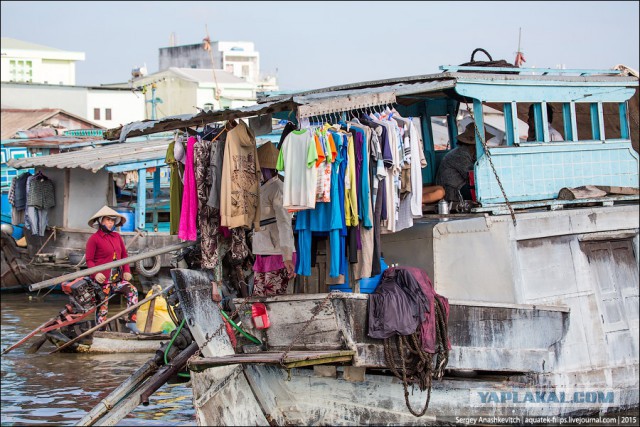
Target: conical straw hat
106	211
268	155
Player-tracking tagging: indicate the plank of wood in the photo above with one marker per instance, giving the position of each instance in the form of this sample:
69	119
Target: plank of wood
293	359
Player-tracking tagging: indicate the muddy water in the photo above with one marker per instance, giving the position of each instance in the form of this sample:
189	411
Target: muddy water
59	389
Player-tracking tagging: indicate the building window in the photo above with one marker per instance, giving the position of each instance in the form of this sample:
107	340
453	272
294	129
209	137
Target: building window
21	71
107	113
96	114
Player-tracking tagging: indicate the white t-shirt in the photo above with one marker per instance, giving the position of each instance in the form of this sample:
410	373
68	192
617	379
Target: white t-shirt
297	159
554	135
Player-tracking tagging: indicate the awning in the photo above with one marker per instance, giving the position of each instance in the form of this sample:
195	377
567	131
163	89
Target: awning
307	104
114	157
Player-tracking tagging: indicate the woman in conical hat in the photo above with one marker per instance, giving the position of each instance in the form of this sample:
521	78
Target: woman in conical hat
103	247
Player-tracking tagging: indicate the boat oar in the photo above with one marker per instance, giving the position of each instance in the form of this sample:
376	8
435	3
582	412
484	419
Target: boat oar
32	333
34	347
122	313
120	392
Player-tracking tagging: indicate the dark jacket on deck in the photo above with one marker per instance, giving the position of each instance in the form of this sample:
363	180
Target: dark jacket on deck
398	305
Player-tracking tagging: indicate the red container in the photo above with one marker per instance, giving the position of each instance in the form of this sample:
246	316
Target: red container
260	316
472	184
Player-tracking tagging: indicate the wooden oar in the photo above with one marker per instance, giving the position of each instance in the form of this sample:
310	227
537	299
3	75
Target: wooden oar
32	333
122	313
46	324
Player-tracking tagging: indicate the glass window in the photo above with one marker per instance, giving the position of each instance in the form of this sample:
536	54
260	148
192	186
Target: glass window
96	114
107	113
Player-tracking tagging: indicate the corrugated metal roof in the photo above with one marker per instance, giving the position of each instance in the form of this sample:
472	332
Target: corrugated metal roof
97	158
13	120
51	141
286	103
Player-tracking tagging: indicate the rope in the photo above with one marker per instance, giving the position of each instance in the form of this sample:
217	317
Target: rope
53	233
417	366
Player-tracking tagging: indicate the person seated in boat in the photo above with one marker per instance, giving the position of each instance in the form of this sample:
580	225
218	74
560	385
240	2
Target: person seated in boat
273	244
453	173
103	247
554	135
432	194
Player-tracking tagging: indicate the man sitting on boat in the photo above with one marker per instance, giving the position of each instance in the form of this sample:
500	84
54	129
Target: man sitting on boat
554	135
453	173
103	247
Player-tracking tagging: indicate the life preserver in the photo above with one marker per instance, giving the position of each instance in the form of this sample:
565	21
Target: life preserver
149	272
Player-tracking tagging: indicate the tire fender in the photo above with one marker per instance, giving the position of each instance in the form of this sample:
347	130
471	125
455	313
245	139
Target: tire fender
149	272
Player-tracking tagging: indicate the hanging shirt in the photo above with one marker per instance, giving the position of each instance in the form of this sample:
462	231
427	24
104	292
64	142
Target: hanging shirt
240	189
297	158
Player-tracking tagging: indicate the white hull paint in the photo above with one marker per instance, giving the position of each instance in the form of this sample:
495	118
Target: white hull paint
551	304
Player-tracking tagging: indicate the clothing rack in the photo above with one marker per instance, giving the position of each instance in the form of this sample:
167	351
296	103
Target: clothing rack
342	104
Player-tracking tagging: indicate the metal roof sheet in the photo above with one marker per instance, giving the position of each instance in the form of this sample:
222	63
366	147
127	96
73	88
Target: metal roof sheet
354	97
96	158
13	120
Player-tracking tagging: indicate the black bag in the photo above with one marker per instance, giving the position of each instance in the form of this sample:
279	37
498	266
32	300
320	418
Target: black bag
490	63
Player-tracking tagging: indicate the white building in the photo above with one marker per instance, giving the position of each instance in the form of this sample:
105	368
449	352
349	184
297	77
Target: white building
238	58
107	106
33	63
187	90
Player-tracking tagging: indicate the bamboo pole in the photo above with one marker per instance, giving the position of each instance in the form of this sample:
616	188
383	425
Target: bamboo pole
118	263
122	313
116	395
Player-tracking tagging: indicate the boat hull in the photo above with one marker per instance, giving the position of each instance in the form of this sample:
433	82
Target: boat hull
116	342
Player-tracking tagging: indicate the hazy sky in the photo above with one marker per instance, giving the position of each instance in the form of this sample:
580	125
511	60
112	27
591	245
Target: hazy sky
317	44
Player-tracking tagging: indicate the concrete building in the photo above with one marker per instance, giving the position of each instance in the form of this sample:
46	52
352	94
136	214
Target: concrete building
106	106
238	58
188	90
33	63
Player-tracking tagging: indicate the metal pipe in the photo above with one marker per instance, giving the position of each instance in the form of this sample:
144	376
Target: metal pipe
116	395
176	364
125	406
118	263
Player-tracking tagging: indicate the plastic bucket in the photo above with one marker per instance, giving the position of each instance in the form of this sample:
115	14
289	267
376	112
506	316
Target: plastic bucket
368	285
130	215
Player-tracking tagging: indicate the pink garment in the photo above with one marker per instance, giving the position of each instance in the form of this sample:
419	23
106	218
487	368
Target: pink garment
267	263
188	227
428	327
225	231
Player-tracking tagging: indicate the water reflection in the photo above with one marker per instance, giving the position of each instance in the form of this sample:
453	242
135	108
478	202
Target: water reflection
61	388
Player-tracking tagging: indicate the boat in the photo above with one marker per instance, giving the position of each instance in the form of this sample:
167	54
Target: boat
84	181
541	273
111	342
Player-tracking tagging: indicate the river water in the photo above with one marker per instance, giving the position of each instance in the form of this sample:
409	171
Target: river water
59	389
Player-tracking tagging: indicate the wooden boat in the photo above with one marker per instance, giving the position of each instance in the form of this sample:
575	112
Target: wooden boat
114	342
543	290
84	182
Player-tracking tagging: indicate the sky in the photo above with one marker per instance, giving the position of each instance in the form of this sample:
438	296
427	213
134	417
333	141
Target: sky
317	44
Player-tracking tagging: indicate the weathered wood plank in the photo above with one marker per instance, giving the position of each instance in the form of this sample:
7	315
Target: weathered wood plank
293	359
